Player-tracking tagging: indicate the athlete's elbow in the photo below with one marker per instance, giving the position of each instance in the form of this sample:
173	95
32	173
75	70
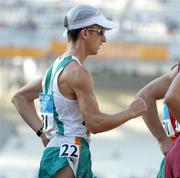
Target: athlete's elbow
17	98
171	99
93	129
93	123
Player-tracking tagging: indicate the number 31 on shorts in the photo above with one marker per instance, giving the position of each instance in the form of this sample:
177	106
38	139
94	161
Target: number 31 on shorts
69	150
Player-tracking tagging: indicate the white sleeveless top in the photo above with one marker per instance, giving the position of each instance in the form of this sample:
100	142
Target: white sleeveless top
68	111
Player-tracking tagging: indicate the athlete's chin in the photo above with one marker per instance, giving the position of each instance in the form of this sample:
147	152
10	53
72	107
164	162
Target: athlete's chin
94	53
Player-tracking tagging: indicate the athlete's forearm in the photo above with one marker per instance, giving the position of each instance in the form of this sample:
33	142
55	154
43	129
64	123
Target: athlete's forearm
151	93
97	121
152	120
102	122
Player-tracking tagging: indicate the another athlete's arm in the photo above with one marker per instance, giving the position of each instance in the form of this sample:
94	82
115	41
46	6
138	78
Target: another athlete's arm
95	120
151	93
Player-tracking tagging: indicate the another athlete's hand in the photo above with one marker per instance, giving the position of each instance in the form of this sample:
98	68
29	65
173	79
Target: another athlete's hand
44	139
137	107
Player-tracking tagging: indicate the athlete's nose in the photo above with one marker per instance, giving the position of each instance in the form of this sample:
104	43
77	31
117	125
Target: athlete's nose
103	39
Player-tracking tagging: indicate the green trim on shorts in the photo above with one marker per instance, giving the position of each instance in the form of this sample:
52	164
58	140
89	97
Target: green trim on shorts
51	162
84	167
161	173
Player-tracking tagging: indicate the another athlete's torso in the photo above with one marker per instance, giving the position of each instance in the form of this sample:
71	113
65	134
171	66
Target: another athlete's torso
171	125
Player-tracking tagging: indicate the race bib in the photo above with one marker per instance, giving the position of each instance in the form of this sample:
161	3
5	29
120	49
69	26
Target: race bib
47	111
177	126
168	127
69	150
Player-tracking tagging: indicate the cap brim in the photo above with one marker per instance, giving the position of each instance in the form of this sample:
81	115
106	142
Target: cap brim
105	23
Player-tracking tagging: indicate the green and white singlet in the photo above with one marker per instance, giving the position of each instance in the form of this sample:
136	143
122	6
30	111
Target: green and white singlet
63	124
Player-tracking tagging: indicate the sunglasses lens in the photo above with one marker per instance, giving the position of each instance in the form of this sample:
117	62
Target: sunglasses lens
102	32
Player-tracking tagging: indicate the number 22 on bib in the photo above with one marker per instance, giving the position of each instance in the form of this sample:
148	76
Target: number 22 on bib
69	150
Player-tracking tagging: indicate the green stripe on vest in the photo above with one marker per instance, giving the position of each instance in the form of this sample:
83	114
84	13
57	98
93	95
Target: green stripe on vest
49	86
48	78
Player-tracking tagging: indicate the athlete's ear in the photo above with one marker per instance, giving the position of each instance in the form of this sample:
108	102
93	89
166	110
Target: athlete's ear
84	33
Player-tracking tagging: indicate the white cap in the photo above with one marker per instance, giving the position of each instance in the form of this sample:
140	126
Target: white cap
85	15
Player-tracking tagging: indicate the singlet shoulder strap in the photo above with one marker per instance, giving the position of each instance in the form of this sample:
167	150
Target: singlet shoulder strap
48	77
62	65
59	67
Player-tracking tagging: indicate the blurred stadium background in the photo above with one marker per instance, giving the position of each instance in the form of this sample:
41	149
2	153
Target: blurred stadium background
145	45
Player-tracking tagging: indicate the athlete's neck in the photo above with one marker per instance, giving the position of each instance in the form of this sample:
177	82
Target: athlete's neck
76	50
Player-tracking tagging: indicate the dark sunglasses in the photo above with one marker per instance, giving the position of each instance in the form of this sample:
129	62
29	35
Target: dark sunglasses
100	32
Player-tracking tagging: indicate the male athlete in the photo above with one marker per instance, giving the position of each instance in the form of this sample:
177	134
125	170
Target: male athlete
69	109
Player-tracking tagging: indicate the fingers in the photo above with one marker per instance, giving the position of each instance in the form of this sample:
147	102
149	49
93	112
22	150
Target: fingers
44	139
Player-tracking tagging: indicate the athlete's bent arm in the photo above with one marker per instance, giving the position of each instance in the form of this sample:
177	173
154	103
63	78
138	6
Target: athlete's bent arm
23	101
95	120
151	93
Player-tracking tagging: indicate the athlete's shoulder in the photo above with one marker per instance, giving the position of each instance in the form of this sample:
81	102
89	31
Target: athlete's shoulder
78	69
76	73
